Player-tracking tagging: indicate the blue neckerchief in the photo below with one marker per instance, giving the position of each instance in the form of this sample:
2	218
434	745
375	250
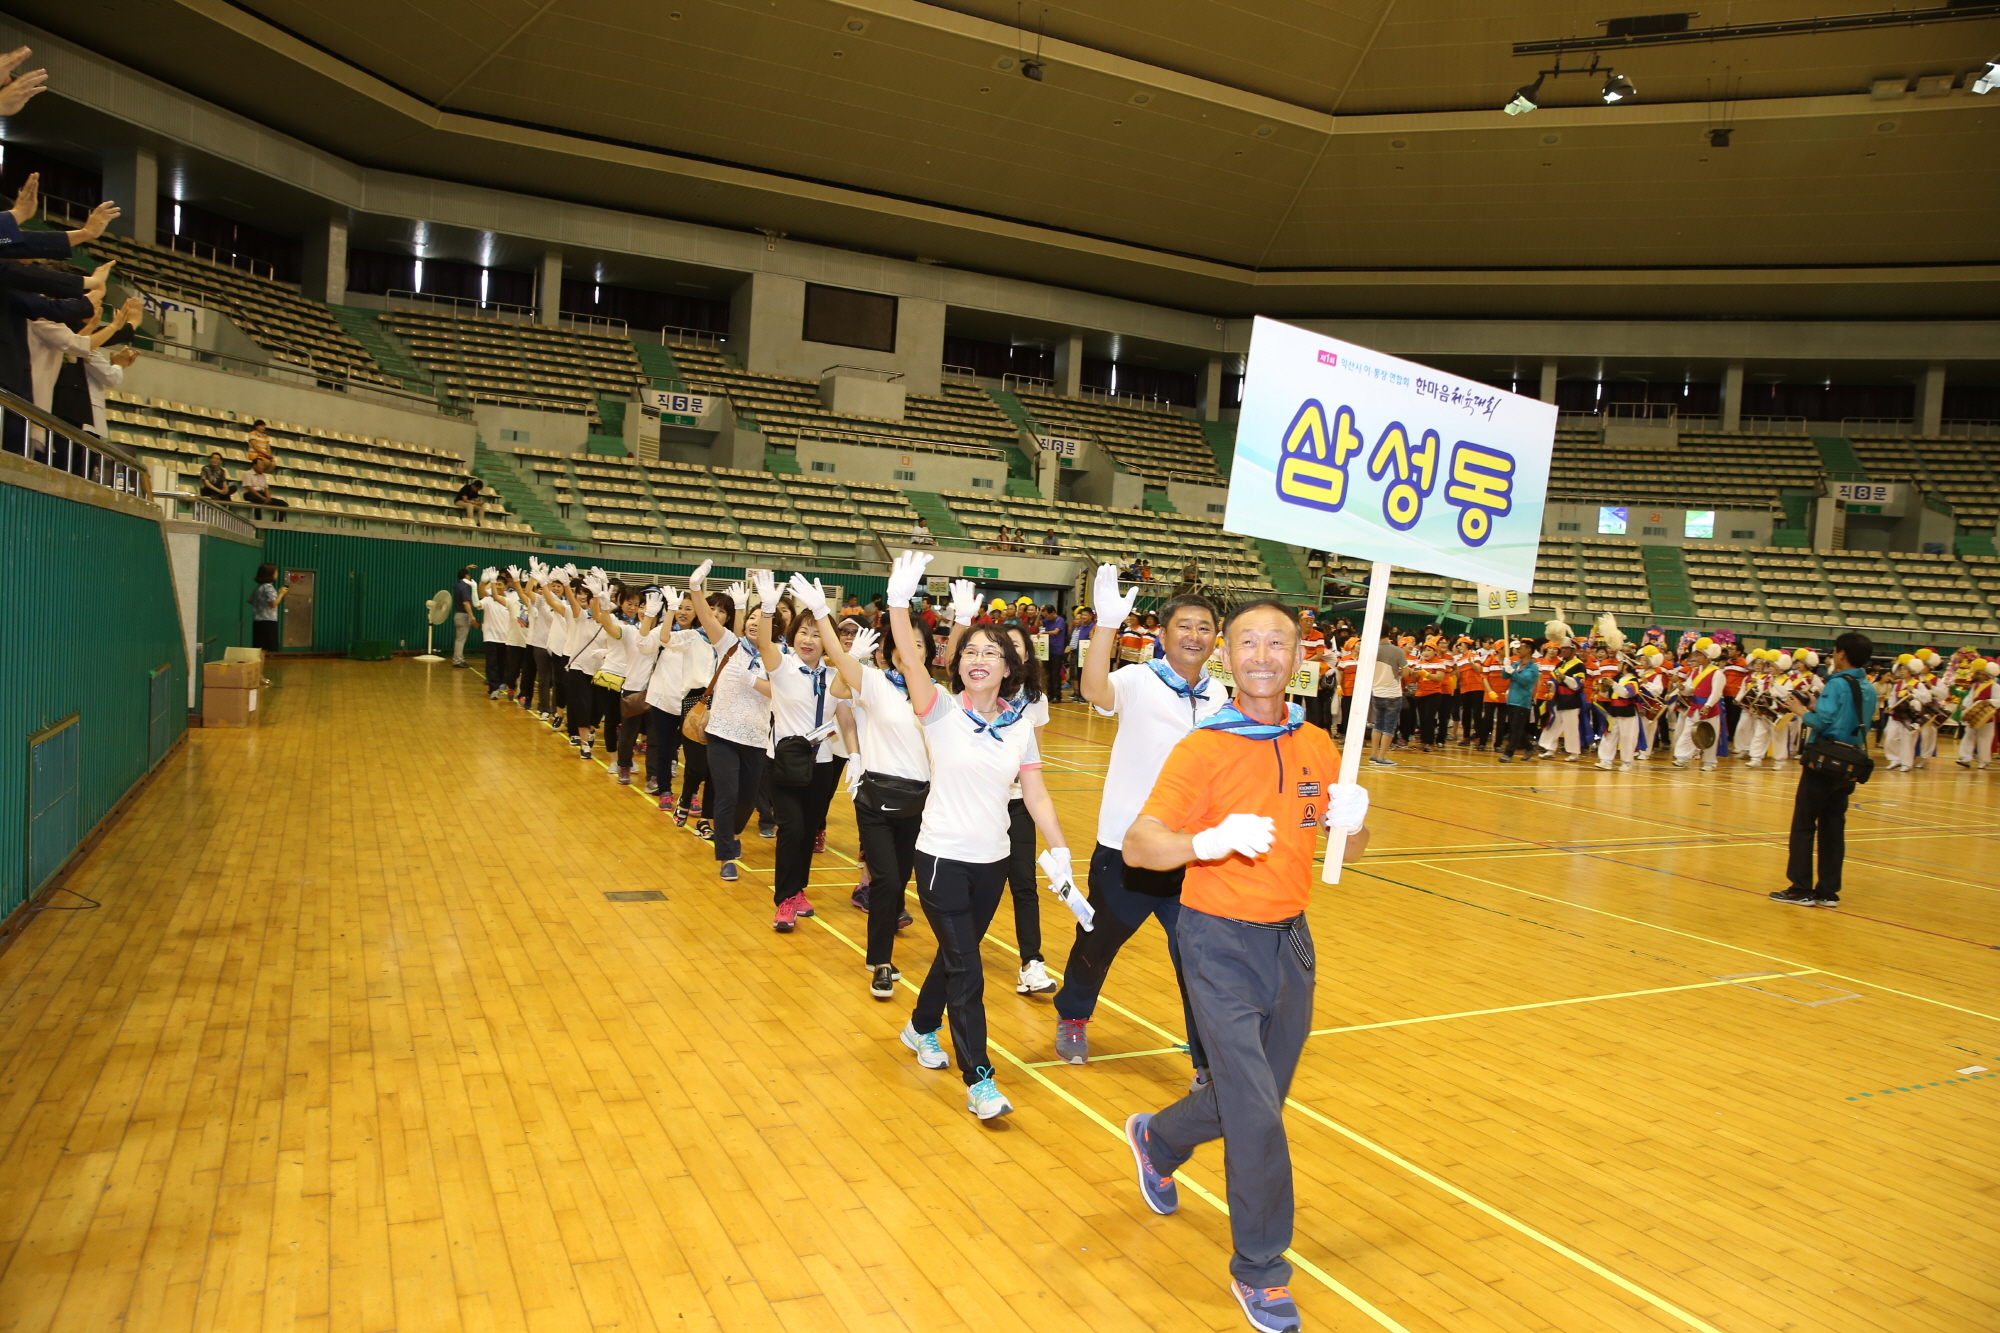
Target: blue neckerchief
818	674
1008	716
1232	719
896	679
1172	680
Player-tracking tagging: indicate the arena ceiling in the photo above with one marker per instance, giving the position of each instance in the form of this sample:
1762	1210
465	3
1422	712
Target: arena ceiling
1285	156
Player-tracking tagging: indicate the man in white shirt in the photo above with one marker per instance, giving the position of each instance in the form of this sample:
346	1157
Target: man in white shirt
1156	703
920	533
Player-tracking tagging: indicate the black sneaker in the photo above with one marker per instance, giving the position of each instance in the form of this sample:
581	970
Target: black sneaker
1803	897
883	986
704	830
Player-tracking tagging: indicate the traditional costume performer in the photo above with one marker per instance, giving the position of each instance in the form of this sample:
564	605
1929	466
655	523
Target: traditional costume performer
1906	701
1760	708
1701	697
1976	710
1566	682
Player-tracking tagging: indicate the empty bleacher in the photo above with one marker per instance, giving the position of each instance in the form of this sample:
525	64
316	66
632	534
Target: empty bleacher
333	477
1740	470
1965	473
1114	536
519	365
1158	444
294	329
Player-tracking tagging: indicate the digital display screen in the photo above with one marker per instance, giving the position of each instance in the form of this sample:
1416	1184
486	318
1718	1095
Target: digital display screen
1611	521
1700	523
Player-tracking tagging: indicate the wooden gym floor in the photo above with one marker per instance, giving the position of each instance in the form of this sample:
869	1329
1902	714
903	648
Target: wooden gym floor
357	1042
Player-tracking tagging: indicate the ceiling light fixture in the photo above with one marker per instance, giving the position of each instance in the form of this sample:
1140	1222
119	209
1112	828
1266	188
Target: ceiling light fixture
1719	138
1526	99
1987	79
1617	88
1031	69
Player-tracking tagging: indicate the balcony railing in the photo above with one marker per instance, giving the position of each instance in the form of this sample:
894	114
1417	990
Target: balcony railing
28	432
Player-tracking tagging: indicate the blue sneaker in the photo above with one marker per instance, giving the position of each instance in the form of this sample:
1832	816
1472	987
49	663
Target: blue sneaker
930	1053
1269	1308
1161	1194
729	870
1385	763
984	1099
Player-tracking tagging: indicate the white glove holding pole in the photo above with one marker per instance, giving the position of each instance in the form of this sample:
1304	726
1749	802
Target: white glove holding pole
1111	605
1062	883
964	601
811	596
1346	807
1238	834
700	573
865	641
906	575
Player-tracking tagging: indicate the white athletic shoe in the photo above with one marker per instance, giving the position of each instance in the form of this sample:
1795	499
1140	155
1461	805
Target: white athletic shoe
1753	761
1035	979
1606	767
930	1053
1625	767
984	1099
1708	768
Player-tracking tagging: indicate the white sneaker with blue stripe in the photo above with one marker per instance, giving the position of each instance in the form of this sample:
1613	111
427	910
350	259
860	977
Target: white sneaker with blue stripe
984	1099
930	1054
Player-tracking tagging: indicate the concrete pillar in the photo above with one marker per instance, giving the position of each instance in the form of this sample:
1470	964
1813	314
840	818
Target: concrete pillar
1069	366
132	181
1930	402
1548	393
1732	396
1210	394
551	287
326	261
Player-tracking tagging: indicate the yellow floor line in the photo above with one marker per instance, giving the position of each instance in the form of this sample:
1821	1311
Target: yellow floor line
1688	934
1201	1192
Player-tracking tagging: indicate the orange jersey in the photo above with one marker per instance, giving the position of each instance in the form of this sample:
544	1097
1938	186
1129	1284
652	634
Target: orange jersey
1210	775
1471	674
1733	676
1348	664
1433	676
1494	673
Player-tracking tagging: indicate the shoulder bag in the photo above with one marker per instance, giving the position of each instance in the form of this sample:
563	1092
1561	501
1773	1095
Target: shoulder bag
695	725
632	705
1837	759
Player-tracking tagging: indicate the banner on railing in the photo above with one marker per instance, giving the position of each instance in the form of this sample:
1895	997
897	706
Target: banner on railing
693	406
1340	448
1058	445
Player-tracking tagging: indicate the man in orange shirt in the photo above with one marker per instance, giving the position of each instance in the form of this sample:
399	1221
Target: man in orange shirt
1240	803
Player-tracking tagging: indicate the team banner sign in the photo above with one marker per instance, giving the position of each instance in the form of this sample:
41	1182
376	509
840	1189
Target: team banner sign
1342	449
1501	601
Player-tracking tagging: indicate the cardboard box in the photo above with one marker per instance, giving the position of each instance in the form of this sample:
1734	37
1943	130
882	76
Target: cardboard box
228	708
243	655
231	675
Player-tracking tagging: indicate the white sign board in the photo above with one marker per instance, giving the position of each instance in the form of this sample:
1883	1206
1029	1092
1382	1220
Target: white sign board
1342	449
673	404
1059	446
1888	496
1503	602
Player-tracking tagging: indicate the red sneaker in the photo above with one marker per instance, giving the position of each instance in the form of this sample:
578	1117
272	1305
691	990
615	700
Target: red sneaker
819	841
786	919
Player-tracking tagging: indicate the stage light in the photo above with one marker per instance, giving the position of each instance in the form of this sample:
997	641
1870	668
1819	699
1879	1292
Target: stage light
1031	69
1987	79
1525	99
1618	88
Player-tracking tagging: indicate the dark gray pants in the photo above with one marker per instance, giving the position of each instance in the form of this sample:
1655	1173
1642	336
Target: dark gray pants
1252	1000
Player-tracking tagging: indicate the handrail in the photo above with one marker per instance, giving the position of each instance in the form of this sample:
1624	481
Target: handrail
893	375
336	376
202	510
28	432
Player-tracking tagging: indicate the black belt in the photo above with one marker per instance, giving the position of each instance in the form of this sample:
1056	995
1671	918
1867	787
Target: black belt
1296	928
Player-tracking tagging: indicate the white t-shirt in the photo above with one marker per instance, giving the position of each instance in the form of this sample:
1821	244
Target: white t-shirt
517	633
1036	716
738	712
639	655
1151	721
802	702
493	625
540	621
965	817
686	665
892	742
590	646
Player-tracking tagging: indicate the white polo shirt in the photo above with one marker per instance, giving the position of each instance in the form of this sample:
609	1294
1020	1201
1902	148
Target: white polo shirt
972	768
1152	718
802	701
892	742
1036	716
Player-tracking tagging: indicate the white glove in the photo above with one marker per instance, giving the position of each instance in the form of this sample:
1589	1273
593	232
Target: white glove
855	773
964	601
811	596
738	594
649	605
700	573
1249	835
1062	883
604	599
488	574
514	572
1111	605
906	575
1346	806
767	589
670	600
865	641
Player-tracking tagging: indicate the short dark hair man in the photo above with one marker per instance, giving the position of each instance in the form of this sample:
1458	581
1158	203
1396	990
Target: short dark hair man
463	595
1819	808
1239	804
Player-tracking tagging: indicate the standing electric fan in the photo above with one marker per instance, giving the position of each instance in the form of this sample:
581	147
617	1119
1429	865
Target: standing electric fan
436	609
